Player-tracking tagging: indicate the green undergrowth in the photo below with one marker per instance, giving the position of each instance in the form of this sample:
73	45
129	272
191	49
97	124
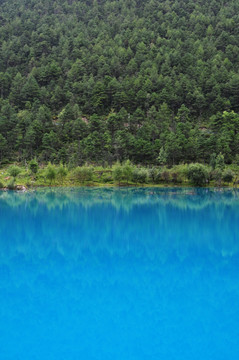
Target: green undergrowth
125	174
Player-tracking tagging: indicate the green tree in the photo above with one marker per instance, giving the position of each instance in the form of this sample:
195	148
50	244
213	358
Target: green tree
33	166
220	164
162	158
30	90
14	171
84	174
50	173
198	174
62	172
228	175
3	147
117	172
127	170
139	176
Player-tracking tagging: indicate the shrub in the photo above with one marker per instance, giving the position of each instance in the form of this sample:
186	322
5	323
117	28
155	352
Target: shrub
1	185
84	173
154	175
106	178
217	176
14	171
61	172
236	160
33	166
212	161
162	158
165	176
117	172
220	164
139	176
174	176
127	169
11	185
198	174
228	175
50	173
123	172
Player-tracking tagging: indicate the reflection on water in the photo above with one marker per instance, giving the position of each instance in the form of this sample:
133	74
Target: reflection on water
119	274
157	221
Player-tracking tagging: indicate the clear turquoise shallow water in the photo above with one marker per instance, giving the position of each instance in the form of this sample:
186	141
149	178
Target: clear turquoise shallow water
119	274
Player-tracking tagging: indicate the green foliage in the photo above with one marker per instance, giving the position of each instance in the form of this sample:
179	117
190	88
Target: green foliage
228	175
220	164
154	175
139	176
78	84
236	161
213	161
216	175
117	172
3	147
106	178
175	176
123	174
162	158
1	185
50	173
84	174
127	171
62	172
14	171
33	166
11	184
198	174
165	175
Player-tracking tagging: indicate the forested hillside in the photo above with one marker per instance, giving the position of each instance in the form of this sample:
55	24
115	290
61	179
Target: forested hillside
153	81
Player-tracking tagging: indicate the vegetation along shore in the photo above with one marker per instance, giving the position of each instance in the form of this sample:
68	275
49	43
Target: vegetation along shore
18	177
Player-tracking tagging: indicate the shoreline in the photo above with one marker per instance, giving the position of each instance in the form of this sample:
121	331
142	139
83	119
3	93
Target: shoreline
24	188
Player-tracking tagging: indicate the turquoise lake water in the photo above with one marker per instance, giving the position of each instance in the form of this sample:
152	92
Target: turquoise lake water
129	274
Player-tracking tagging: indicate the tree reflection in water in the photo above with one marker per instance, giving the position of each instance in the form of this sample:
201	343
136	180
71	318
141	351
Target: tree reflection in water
118	274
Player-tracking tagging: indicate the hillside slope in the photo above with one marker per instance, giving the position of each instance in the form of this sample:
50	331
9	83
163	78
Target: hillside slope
153	81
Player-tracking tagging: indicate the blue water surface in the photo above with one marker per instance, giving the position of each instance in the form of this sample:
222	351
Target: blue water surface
128	274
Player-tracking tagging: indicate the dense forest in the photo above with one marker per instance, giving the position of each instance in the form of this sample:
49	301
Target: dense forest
153	81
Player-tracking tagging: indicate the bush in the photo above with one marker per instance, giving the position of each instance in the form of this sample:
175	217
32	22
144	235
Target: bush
117	172
50	173
84	173
220	164
123	172
139	176
175	176
61	172
14	171
106	178
212	161
198	174
236	160
127	169
154	175
33	166
1	185
216	175
11	185
228	175
165	176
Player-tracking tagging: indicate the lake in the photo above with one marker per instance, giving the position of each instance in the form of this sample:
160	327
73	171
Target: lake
119	273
